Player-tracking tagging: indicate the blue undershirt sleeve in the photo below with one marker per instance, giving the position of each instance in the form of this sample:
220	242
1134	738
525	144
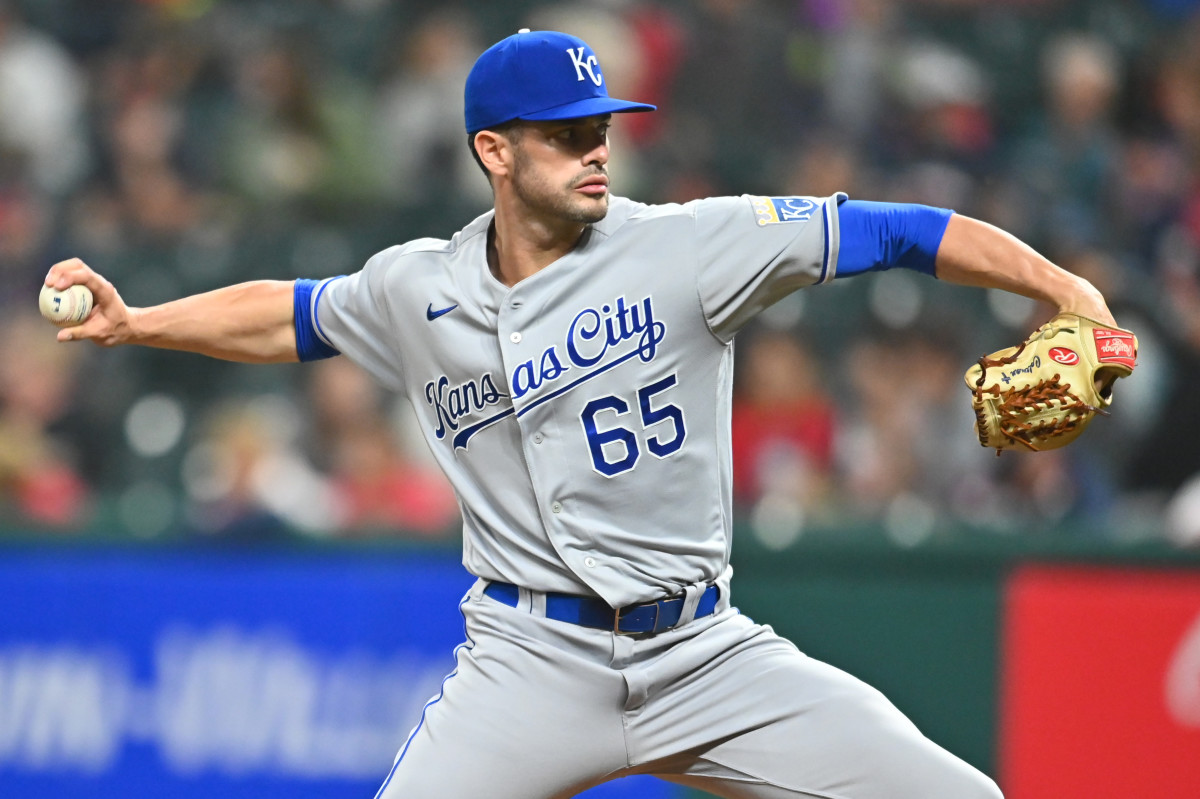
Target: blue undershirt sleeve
309	345
878	236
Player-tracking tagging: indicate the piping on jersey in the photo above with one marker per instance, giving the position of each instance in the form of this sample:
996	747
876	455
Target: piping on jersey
316	302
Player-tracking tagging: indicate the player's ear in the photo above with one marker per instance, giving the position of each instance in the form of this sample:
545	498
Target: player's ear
495	152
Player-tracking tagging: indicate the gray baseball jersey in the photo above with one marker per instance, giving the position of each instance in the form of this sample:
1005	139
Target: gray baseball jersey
583	418
582	415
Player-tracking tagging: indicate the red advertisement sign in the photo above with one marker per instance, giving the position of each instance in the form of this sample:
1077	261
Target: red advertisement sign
1101	684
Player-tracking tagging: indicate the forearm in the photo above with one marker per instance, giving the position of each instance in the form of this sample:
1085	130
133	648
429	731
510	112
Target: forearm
974	253
248	322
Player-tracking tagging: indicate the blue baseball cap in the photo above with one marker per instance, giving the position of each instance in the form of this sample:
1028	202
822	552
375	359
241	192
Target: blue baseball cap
538	75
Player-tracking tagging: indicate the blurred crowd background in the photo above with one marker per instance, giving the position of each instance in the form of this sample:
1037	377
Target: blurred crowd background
181	145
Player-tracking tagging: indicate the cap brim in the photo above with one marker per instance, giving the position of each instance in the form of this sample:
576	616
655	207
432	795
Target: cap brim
587	108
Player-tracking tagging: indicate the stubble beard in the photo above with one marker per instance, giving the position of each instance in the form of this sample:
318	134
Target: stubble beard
563	203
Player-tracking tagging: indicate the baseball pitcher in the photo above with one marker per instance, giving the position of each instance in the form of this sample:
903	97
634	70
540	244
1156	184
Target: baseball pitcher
570	356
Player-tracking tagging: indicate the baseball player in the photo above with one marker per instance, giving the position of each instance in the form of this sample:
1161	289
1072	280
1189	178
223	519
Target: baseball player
570	356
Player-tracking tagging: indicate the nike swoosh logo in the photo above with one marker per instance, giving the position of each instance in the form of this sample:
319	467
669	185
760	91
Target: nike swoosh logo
431	314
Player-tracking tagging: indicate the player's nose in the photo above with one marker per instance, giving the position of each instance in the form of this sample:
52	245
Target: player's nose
597	155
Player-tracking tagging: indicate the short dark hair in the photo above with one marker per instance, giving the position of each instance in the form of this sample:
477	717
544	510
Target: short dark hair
505	128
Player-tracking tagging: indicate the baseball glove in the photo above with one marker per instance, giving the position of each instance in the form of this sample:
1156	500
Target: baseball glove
1042	394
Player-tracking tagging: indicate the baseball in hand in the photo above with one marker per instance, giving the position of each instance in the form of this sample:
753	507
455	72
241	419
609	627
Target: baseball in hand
66	308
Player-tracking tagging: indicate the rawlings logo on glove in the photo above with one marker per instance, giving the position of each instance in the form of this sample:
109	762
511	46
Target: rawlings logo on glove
1042	394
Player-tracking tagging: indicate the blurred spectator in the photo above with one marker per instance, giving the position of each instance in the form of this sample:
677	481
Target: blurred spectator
1036	492
944	94
42	95
1070	158
382	491
856	40
1169	456
1178	81
39	483
822	165
153	185
729	112
1151	187
380	485
1170	453
422	143
783	425
143	132
876	444
247	480
300	135
907	444
26	224
659	35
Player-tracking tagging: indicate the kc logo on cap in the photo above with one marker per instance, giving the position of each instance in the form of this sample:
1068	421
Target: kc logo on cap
589	63
538	75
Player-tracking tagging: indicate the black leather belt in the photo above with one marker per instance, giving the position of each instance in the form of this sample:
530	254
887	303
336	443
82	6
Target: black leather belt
649	617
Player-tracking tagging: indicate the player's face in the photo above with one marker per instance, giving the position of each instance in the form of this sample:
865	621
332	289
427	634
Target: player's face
560	168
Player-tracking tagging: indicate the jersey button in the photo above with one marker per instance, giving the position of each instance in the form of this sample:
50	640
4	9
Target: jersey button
515	338
589	562
515	304
556	507
538	438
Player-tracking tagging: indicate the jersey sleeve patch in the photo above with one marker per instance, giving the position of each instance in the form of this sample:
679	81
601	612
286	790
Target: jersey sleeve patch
311	344
779	210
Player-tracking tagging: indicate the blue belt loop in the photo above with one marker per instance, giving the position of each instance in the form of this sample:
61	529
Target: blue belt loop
691	601
643	619
537	603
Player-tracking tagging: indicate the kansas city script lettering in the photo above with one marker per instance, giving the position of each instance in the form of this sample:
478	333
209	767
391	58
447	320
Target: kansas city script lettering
592	335
593	340
451	403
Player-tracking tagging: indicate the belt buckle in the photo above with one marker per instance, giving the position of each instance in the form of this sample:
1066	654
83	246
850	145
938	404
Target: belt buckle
617	619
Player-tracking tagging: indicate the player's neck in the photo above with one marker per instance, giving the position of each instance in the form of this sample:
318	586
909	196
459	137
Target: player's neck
520	247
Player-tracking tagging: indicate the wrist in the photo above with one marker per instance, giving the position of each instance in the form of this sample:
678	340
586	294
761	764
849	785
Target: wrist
135	326
1086	300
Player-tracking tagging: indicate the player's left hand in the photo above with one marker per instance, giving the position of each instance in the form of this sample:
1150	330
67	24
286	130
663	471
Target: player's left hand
1086	301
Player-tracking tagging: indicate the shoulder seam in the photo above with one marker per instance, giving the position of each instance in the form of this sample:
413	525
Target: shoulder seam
696	277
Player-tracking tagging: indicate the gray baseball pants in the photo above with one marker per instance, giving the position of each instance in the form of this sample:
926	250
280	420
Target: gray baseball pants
543	709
